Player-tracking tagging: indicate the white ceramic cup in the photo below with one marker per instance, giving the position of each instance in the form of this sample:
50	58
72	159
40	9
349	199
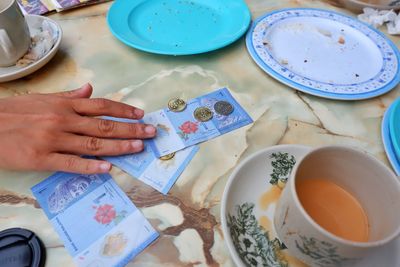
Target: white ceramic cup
14	33
367	179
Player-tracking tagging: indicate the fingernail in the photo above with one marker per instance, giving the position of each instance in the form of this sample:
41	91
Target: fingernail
105	166
137	144
86	85
138	113
150	129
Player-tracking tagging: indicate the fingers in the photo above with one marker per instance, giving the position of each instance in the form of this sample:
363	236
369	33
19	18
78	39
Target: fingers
105	107
76	164
93	146
84	92
112	129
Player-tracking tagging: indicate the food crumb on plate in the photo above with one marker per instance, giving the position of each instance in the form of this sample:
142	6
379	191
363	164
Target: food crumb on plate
325	32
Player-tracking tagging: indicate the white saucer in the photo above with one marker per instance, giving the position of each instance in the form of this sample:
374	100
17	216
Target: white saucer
34	22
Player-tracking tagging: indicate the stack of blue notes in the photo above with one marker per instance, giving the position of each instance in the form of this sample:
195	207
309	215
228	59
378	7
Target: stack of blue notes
179	132
97	222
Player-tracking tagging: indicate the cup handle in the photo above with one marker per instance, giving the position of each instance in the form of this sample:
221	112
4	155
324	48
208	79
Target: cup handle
6	44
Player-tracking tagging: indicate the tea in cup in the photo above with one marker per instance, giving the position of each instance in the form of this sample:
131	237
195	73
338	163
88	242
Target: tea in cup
338	205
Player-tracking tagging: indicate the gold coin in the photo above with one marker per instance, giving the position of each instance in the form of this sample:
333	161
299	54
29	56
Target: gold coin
176	104
168	157
203	114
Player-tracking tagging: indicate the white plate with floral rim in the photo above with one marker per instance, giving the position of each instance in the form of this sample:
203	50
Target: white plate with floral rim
324	53
248	206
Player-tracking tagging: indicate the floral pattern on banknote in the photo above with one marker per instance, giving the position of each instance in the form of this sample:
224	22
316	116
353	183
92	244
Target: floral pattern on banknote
282	166
188	128
252	242
323	253
105	214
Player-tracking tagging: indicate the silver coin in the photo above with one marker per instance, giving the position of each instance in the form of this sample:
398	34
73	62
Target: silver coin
223	108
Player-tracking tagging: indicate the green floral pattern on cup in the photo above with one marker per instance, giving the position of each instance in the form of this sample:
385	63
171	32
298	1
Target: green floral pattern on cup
324	253
282	165
252	242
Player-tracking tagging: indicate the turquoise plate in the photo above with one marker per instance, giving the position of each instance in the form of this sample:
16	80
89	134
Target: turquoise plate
394	127
387	141
178	27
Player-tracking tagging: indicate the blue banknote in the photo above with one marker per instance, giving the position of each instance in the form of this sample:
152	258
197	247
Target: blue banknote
146	167
159	174
94	218
178	130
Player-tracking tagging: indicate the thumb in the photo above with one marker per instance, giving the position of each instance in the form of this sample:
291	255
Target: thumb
84	92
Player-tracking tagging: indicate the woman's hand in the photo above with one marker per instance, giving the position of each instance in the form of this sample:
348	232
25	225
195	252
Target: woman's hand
49	132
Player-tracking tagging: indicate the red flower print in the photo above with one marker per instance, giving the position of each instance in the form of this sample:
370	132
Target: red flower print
105	214
189	127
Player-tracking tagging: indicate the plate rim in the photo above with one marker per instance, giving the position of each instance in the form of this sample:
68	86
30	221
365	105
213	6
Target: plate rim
387	142
312	91
31	68
233	176
228	41
392	129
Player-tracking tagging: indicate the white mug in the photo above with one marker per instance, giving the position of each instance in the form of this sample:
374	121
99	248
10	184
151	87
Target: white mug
14	33
372	183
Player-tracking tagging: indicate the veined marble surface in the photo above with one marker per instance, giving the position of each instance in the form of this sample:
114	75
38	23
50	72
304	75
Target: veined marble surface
188	218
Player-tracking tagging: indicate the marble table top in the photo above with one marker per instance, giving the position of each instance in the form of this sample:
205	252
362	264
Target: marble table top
188	218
